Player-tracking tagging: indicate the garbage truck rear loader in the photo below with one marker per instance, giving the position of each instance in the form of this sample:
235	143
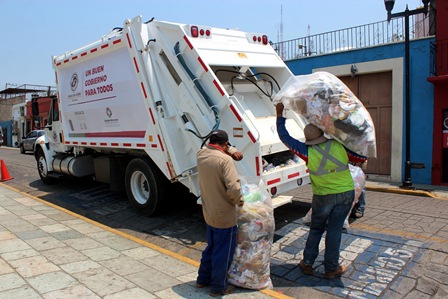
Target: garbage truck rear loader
135	106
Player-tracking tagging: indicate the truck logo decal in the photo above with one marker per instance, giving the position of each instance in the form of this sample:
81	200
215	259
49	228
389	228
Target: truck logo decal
109	112
74	82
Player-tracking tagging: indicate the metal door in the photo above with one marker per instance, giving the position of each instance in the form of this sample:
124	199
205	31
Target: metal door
375	92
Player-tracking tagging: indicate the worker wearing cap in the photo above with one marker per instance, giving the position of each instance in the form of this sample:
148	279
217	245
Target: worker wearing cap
333	192
221	193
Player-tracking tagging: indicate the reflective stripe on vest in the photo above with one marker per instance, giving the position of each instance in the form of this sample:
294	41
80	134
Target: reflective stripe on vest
326	156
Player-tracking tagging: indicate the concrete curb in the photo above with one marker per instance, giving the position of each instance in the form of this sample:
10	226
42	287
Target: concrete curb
405	192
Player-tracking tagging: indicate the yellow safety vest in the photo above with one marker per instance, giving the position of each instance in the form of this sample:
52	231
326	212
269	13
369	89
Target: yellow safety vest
328	168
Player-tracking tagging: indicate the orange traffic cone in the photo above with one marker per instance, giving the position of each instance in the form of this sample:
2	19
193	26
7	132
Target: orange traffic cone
4	174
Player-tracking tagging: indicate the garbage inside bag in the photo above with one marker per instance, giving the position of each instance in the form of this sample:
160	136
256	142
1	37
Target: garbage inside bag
325	101
250	267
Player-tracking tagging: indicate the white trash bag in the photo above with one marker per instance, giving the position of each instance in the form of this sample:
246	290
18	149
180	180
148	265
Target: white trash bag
256	227
325	101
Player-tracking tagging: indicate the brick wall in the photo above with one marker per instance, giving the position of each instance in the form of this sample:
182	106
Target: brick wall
6	107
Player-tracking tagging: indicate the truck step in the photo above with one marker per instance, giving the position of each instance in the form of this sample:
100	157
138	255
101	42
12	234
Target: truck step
281	200
56	175
277	201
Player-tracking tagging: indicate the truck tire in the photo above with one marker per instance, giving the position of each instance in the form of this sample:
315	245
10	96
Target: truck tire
145	187
42	168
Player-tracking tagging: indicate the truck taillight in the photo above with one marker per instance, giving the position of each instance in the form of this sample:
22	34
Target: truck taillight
200	32
257	38
265	39
194	31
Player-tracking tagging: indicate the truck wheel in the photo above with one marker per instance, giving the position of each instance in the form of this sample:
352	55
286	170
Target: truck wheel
42	168
22	149
145	186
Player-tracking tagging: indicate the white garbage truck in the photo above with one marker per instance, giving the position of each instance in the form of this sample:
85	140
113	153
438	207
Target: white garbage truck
134	107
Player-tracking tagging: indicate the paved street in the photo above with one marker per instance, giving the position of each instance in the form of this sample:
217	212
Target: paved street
397	250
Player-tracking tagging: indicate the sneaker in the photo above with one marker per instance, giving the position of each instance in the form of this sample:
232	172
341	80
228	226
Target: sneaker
227	291
307	269
336	273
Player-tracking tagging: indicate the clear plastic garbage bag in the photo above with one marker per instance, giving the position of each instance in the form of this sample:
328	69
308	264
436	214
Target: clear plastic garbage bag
256	227
325	101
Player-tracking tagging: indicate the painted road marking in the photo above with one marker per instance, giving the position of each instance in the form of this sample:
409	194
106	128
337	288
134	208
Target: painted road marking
374	261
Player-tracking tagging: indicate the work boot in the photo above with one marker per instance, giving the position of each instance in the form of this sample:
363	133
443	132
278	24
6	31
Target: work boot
307	269
359	214
227	291
336	273
201	285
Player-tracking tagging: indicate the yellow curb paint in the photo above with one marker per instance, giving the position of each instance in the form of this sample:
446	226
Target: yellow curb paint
275	294
268	292
405	192
187	249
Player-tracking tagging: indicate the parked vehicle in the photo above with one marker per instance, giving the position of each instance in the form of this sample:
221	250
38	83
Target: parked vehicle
136	106
28	143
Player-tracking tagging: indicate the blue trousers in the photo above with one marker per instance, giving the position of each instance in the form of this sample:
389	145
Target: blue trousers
360	206
217	257
329	212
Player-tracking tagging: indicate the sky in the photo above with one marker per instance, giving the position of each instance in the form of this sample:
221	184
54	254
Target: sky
32	31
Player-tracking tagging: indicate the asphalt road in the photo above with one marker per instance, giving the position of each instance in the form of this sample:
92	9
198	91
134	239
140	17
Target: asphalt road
180	229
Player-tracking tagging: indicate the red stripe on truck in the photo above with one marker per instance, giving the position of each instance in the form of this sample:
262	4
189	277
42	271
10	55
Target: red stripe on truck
188	42
257	165
124	134
93	50
238	117
117	41
218	87
160	141
136	66
277	180
203	64
144	90
83	54
104	46
129	40
152	116
169	169
293	175
251	137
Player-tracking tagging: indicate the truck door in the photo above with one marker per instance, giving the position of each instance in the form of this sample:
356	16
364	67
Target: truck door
53	129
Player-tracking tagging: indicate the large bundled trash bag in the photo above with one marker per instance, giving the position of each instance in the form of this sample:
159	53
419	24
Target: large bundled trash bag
256	226
359	181
325	101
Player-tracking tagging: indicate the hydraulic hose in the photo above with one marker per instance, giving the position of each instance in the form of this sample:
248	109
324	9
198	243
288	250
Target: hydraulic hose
201	90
